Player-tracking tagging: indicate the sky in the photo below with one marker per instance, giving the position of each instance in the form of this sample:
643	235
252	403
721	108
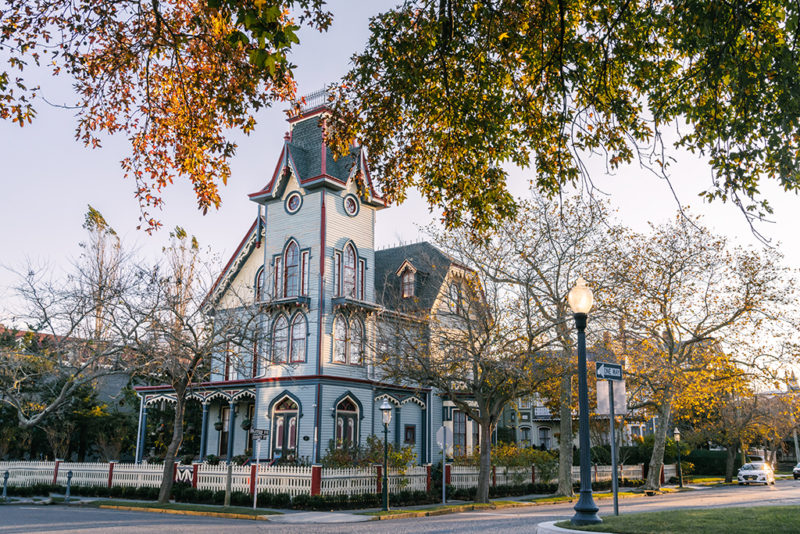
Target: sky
48	178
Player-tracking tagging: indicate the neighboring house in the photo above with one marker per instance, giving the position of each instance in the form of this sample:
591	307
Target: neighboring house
309	262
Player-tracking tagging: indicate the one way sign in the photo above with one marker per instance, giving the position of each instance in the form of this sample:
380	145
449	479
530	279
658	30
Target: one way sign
608	371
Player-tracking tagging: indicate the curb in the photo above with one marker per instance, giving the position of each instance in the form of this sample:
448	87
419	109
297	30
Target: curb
550	528
223	515
456	508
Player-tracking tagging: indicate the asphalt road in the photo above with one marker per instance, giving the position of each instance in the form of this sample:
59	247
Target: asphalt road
59	519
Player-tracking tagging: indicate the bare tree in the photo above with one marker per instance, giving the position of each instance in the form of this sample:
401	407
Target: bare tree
182	332
78	328
691	304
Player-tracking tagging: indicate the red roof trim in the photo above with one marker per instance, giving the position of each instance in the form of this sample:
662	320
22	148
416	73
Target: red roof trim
268	188
250	381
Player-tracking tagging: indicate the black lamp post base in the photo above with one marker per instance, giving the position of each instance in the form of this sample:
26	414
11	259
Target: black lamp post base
585	510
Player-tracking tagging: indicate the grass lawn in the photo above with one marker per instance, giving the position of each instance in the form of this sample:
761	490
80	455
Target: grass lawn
753	520
441	507
604	495
187	507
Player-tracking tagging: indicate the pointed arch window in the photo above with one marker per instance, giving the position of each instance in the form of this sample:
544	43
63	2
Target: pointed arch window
356	341
349	271
291	262
298	346
280	340
346	423
348	340
259	284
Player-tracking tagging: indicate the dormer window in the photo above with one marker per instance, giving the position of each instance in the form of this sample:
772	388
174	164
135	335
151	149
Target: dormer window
407	274
408	283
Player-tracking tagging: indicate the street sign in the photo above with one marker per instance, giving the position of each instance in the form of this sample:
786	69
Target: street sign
260	434
444	437
603	398
608	371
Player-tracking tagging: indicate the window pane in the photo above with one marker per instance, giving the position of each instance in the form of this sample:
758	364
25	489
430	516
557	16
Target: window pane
349	274
340	340
292	432
356	342
298	339
279	433
292	269
280	340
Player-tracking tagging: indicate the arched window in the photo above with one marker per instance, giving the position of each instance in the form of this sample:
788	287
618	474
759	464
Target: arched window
349	271
291	263
356	342
259	283
340	339
284	428
298	347
280	340
346	423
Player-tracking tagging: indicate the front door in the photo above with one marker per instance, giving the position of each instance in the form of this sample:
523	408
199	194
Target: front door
284	430
223	434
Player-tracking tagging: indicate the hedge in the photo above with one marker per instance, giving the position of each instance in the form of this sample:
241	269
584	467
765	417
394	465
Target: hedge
183	492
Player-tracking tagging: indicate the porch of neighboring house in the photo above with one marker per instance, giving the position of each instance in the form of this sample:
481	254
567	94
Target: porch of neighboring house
224	416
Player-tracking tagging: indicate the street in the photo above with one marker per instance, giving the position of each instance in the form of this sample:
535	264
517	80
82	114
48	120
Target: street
74	520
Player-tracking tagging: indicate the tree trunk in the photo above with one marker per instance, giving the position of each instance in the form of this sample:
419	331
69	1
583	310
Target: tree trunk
657	458
172	449
485	473
565	440
730	458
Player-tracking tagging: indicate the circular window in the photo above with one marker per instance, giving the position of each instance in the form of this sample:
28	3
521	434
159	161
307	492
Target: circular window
351	205
293	202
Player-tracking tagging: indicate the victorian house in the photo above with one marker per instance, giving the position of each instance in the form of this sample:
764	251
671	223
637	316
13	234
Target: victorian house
309	263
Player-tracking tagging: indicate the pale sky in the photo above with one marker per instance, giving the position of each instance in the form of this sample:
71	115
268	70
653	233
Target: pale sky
48	178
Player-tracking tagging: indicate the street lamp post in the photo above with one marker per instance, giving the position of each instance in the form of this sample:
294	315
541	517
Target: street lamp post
677	436
580	302
386	412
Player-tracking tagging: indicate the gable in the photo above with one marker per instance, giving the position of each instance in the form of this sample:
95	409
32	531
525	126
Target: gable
251	242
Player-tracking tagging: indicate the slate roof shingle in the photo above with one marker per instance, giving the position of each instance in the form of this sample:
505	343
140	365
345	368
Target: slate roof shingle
432	266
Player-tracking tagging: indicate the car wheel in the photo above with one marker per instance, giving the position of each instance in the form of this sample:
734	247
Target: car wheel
741	483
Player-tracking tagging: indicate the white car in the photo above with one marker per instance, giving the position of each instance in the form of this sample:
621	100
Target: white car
756	473
796	471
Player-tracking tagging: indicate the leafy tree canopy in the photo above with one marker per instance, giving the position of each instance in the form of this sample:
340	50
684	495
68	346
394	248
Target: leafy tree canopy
173	76
448	93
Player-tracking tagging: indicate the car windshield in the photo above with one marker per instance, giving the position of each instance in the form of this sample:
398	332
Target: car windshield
752	467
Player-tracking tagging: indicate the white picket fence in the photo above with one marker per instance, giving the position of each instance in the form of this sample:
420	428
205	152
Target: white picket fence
282	479
466	476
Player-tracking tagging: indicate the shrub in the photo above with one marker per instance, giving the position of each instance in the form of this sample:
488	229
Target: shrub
212	459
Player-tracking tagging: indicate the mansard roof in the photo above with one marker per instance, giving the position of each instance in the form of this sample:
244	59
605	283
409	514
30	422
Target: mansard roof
432	266
306	156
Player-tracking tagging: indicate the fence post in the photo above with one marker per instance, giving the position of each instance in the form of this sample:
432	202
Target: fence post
55	471
533	474
174	471
662	474
494	476
110	472
428	481
253	479
316	480
643	475
195	472
378	469
447	474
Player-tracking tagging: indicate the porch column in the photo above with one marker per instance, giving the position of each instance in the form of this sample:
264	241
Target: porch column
204	433
423	435
231	427
398	440
142	436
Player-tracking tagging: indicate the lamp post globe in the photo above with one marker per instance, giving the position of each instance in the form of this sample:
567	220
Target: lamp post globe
580	301
386	413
